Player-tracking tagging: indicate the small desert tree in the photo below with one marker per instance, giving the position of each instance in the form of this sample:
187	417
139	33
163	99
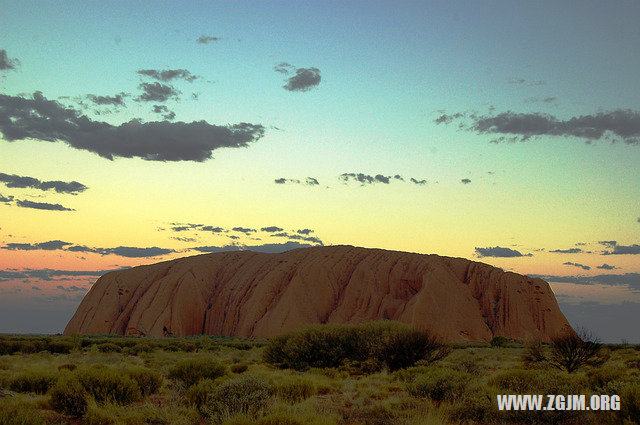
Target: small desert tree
573	350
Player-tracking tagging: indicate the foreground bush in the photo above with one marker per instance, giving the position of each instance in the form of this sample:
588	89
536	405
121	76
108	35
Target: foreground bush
32	382
148	380
14	411
108	385
69	397
571	351
244	395
191	371
393	344
630	403
440	384
295	390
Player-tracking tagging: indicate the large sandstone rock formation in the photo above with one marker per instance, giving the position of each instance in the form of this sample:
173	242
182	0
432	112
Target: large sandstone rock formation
253	294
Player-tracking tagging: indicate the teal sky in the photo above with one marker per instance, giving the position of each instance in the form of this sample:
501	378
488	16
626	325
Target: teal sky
388	71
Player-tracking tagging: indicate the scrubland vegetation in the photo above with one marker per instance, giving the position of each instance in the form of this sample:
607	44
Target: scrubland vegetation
378	373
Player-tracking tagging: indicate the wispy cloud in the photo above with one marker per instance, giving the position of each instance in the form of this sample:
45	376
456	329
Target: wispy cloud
15	181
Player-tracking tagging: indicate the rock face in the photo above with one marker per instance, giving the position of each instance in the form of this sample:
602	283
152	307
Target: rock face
253	294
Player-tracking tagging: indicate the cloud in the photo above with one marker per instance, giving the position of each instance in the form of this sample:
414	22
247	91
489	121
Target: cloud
549	99
364	179
620	124
272	229
49	274
607	267
117	100
309	181
630	279
212	229
15	181
7	199
244	230
273	248
304	79
72	288
6	63
45	246
41	205
465	181
521	81
122	251
567	251
164	111
418	182
303	231
616	249
47	120
582	266
498	251
156	92
206	39
298	237
169	74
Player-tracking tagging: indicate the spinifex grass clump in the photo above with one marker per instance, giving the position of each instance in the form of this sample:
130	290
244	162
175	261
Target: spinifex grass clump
189	372
391	344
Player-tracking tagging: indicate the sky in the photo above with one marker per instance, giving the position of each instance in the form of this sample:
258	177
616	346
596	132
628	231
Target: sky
503	132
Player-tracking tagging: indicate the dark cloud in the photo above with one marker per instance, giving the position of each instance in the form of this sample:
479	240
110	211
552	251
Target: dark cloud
7	199
304	79
169	74
49	274
164	111
45	246
47	120
122	251
6	63
616	249
206	39
418	182
183	239
298	237
273	248
212	229
549	99
630	279
117	100
283	68
607	267
156	92
521	81
72	288
621	124
309	181
303	231
581	266
567	251
15	181
447	119
245	230
398	177
364	179
498	251
272	229
465	181
41	205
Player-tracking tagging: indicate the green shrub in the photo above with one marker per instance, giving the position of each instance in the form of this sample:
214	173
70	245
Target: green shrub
239	368
14	411
60	347
198	394
67	366
441	384
630	403
69	397
148	380
329	346
295	390
32	382
190	372
279	419
520	381
108	385
243	395
109	347
500	341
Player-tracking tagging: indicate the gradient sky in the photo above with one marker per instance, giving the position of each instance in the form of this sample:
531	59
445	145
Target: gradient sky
519	123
